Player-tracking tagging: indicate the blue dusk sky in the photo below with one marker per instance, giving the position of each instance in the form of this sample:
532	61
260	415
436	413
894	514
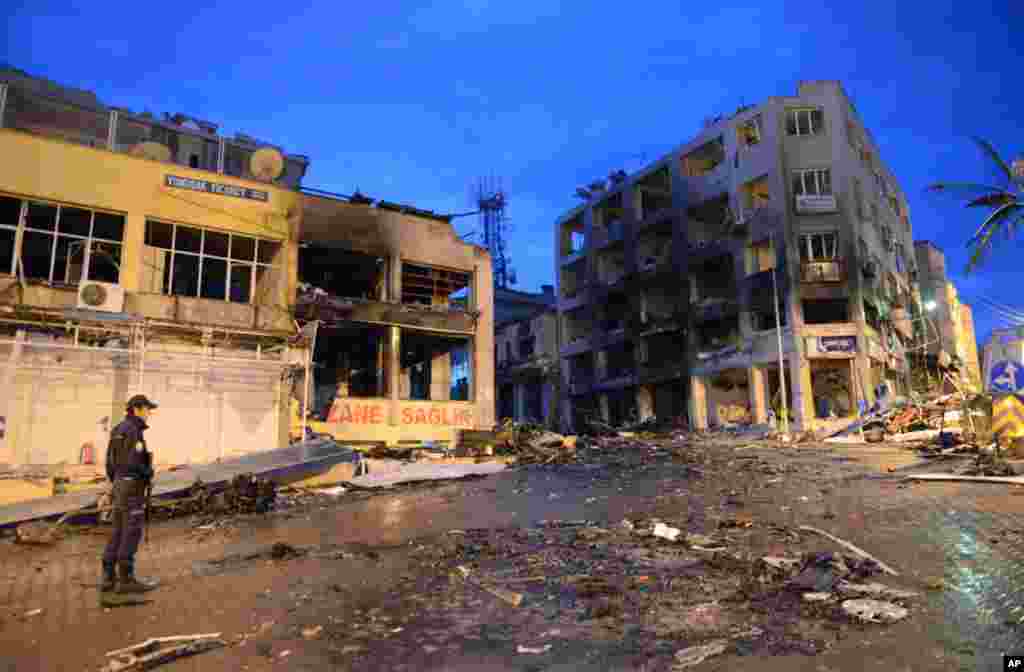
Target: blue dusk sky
413	101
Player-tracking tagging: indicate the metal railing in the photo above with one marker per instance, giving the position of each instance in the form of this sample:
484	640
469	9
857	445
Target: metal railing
121	131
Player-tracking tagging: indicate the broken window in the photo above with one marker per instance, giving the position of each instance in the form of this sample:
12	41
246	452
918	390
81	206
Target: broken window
572	236
748	133
705	159
621	407
344	273
435	287
764	318
620	361
350	361
183	260
814	182
819	246
754	195
434	367
655	191
608	220
807	121
61	244
762	257
824	311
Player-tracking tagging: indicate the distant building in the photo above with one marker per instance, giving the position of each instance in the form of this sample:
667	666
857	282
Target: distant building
511	305
972	367
526	356
952	332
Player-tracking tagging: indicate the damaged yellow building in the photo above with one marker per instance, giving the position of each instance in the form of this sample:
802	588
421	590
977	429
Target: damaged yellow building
404	346
145	255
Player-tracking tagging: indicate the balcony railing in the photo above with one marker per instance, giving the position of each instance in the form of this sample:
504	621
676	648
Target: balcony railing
833	270
100	127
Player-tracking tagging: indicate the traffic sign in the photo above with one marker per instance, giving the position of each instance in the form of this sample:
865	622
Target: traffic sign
1007	376
1008	416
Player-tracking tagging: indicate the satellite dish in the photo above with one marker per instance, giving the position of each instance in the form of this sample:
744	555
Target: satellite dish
266	164
153	151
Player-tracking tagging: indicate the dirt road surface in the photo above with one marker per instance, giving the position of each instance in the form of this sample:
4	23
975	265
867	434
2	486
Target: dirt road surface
375	581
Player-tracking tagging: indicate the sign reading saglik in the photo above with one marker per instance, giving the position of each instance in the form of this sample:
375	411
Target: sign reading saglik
216	188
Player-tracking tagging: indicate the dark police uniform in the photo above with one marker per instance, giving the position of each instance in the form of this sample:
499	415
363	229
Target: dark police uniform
130	469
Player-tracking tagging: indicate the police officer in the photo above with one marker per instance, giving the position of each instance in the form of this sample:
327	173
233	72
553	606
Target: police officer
130	469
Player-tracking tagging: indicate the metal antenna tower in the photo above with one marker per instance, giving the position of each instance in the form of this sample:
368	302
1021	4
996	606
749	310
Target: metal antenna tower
490	202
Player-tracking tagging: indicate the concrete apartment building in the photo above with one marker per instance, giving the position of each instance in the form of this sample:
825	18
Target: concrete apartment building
950	338
152	255
526	356
665	276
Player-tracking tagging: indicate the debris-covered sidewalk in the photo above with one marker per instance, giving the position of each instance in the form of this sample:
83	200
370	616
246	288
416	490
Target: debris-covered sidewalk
645	551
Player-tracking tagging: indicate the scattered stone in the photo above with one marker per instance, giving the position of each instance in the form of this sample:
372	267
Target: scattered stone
665	532
695	655
817	597
875	590
874	611
312	633
536	650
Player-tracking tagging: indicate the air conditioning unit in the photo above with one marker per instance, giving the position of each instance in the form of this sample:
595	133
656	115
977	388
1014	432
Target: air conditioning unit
101	296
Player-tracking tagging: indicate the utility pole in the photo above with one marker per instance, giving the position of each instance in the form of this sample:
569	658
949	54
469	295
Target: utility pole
778	334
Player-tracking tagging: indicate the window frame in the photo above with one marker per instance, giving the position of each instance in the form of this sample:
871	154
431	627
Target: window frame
808	246
802	173
810	112
254	264
88	241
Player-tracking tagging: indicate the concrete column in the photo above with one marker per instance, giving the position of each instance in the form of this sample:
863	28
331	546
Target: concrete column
549	404
394	372
519	401
801	397
604	407
758	402
645	401
440	377
698	403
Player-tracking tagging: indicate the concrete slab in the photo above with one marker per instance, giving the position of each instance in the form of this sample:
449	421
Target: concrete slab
284	465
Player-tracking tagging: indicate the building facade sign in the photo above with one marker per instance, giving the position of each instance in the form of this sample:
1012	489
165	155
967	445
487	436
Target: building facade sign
376	413
837	344
208	187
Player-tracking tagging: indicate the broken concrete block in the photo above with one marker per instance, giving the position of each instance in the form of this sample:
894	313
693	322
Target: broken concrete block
874	590
874	611
665	532
695	655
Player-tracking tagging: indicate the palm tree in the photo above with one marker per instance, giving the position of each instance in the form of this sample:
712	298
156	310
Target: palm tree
1005	203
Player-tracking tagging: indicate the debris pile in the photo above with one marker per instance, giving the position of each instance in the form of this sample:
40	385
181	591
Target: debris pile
533	444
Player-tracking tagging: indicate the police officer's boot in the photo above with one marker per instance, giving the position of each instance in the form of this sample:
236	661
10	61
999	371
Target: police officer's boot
127	583
109	577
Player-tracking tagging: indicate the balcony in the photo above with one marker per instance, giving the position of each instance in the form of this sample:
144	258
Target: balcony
823	272
310	306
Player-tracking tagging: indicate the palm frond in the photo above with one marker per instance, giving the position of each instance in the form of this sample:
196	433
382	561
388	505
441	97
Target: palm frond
982	240
992	200
963	190
993	155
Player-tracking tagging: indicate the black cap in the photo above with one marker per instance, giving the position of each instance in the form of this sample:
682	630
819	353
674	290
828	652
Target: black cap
139	401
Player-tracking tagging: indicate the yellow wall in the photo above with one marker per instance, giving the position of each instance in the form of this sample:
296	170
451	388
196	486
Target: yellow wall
44	168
